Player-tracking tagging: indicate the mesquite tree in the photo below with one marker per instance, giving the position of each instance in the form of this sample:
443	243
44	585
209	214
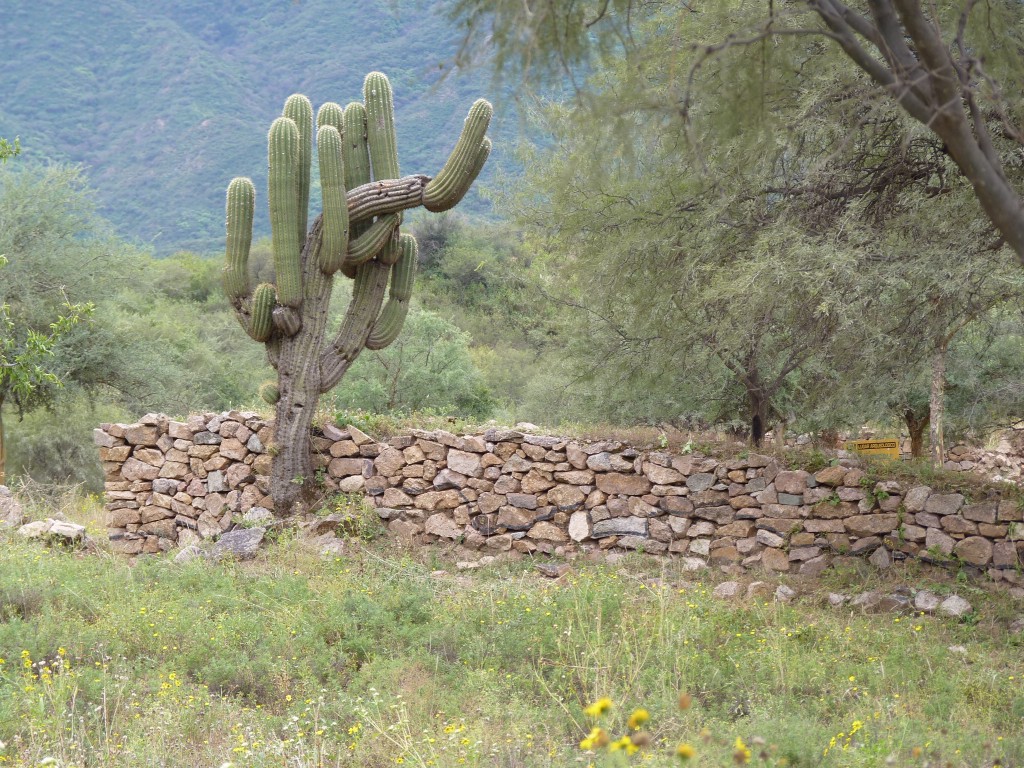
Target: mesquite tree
357	234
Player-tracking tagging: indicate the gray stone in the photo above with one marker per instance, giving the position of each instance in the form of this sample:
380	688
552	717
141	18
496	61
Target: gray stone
727	590
917	498
700	481
981	513
790	499
579	526
791	482
215	482
36	529
944	504
784	594
522	500
258	516
769	539
12	514
700	547
926	601
463	462
955	607
620	526
441	525
206	438
881	558
975	550
240	544
189	553
937	541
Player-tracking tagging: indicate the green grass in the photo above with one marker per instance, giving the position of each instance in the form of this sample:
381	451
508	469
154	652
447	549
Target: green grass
371	660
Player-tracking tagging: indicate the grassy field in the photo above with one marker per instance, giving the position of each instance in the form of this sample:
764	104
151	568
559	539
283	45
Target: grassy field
376	659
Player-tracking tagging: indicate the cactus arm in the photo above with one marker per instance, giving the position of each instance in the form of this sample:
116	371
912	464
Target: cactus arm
331	113
356	157
241	203
335	214
262	309
380	126
460	170
367	296
283	159
382	141
269	392
389	196
300	110
355	152
370	243
391	319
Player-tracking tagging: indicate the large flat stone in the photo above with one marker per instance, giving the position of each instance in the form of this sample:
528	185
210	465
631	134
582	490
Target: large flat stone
626	485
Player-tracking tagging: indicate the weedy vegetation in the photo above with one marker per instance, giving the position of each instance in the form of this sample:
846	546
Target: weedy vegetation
373	659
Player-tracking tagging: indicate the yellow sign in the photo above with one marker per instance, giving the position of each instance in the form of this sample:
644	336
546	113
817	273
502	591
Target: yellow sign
888	448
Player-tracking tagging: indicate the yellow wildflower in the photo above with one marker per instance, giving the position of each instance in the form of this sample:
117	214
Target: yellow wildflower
597	739
599	707
741	755
685	752
638	718
625	743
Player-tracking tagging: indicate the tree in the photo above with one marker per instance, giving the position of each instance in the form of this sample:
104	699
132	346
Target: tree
290	316
953	67
26	361
9	150
41	212
931	61
428	367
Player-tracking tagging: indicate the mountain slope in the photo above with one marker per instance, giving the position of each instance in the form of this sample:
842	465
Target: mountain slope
164	105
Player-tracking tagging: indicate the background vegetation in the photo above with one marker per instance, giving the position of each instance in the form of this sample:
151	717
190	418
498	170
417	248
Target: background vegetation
790	251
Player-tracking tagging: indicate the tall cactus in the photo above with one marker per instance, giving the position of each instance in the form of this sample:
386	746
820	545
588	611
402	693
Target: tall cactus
357	235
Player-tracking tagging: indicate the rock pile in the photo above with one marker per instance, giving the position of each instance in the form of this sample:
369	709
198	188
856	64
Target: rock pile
171	482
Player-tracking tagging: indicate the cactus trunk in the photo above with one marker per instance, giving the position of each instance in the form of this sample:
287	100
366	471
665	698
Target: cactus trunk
357	236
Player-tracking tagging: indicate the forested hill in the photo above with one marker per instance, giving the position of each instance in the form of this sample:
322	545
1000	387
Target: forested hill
163	103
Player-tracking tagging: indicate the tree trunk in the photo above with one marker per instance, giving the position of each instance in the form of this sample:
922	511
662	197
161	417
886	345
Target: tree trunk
916	426
758	416
937	405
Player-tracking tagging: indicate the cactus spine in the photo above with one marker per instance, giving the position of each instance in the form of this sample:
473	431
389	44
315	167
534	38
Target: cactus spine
358	235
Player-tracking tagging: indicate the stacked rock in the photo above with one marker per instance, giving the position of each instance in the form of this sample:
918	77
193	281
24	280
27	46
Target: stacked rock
170	482
507	490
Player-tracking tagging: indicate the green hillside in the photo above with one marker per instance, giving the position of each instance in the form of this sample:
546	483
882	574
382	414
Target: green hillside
164	103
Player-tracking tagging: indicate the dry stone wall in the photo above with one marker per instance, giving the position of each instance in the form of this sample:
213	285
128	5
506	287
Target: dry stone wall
171	483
